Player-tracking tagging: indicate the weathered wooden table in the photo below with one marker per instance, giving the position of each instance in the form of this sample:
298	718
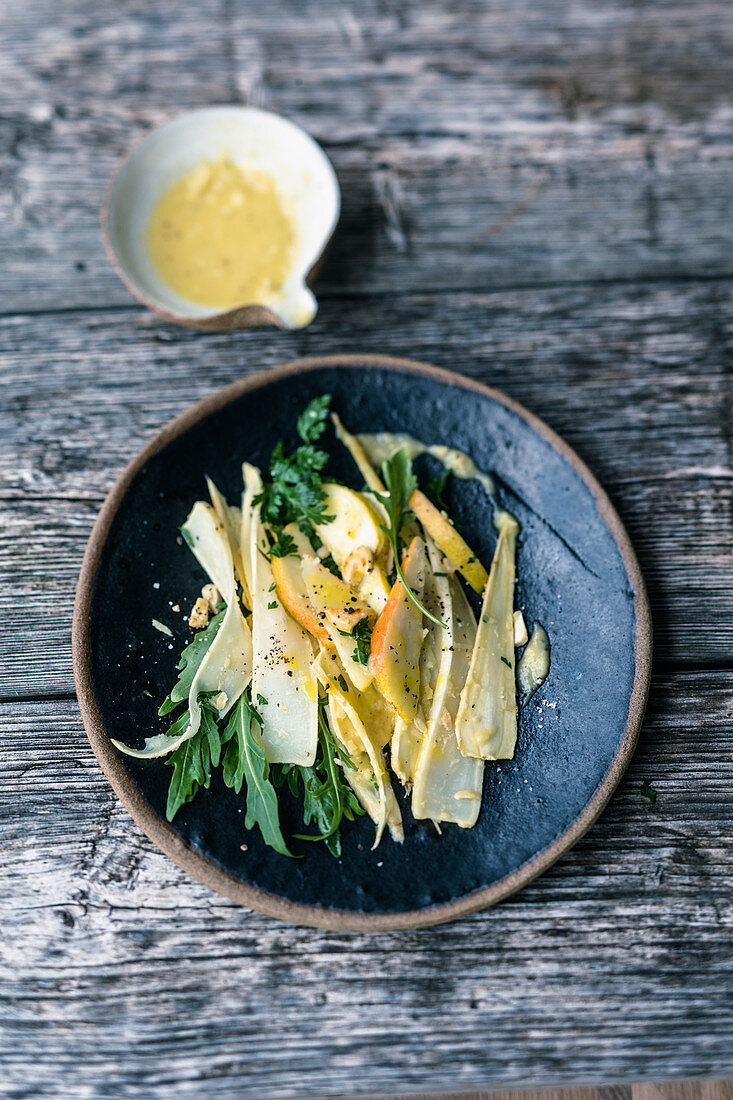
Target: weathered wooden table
538	194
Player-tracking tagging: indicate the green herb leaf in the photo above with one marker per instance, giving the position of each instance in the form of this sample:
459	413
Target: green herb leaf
401	482
272	606
313	421
283	547
327	797
362	635
294	495
436	487
188	665
245	762
193	760
342	681
507	663
648	791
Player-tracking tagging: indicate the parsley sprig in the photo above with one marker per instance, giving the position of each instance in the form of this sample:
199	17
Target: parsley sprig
362	637
401	482
294	494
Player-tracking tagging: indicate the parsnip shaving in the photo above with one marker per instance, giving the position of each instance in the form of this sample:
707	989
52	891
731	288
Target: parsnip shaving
232	520
282	654
252	483
486	724
447	785
207	539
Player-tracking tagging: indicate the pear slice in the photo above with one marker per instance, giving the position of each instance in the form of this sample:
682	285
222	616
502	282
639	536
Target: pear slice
486	724
374	589
338	610
355	523
291	588
398	636
447	539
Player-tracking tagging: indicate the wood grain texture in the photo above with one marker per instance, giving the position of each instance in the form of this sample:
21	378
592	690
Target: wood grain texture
477	144
668	1090
135	973
636	378
537	194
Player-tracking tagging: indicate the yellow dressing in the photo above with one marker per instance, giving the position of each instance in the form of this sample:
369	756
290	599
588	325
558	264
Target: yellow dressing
220	236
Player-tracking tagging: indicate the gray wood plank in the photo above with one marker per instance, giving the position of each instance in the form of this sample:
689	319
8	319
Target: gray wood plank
636	378
615	965
478	145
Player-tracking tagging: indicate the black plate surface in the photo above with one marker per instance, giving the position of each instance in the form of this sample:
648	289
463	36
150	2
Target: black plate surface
576	574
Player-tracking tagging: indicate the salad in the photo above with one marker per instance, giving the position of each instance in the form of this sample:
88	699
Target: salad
337	651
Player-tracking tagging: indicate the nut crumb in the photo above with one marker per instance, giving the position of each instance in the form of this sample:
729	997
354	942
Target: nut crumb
356	566
199	616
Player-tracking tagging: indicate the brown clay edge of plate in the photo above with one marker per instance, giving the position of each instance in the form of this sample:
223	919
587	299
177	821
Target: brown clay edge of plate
165	837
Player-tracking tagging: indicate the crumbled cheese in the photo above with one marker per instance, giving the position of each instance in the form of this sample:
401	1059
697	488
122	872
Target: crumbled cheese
521	637
162	628
220	701
199	616
176	607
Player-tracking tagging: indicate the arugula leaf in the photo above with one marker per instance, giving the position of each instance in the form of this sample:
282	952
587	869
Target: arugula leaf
245	762
401	482
313	421
327	797
188	664
193	760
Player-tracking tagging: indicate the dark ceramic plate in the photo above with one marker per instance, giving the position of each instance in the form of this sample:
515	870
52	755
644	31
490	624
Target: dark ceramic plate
577	574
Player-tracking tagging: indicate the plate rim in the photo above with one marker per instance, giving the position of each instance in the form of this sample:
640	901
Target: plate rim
200	867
